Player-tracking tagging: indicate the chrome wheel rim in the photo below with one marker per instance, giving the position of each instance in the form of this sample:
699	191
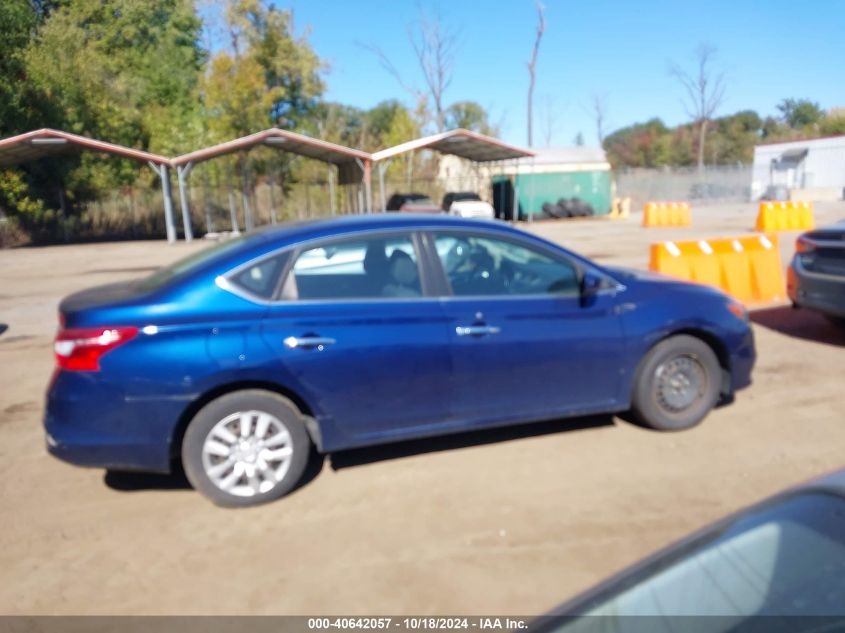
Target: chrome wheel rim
680	382
247	453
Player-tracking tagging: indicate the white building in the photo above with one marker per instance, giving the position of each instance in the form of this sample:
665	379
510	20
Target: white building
810	170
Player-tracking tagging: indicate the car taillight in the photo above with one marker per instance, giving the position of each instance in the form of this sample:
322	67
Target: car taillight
80	349
803	245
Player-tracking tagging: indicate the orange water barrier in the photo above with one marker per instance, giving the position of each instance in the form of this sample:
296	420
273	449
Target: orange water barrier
747	268
666	214
785	216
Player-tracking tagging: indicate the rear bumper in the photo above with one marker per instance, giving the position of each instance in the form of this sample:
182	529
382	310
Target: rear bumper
815	291
92	423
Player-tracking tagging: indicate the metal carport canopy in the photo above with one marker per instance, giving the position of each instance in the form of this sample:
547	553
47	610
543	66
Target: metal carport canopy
464	143
473	146
353	165
350	161
46	142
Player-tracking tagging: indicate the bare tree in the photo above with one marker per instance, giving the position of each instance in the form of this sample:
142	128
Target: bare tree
548	119
434	47
532	69
389	66
598	106
435	51
705	91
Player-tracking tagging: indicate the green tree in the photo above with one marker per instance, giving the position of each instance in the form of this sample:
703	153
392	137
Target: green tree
469	115
800	113
646	144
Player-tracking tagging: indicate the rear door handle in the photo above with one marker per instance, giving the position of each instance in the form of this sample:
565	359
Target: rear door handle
308	342
477	330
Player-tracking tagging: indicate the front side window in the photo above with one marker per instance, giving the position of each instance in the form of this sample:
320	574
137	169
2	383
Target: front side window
481	266
367	268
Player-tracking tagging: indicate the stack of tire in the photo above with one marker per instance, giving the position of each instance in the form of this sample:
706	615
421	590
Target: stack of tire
568	208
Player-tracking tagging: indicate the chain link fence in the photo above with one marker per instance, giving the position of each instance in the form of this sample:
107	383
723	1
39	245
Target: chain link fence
687	184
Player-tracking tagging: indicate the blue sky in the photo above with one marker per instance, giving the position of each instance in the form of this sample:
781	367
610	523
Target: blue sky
768	50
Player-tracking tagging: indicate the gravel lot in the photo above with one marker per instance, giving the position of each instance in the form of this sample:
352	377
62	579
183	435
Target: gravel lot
505	522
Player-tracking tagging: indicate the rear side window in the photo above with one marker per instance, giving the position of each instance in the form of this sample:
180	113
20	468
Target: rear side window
262	278
370	268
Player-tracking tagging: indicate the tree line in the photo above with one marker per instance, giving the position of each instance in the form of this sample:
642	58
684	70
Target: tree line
147	74
141	73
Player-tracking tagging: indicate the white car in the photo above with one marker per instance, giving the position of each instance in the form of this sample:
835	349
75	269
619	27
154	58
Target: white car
466	204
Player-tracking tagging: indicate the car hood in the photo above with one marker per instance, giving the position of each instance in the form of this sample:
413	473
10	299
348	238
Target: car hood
645	278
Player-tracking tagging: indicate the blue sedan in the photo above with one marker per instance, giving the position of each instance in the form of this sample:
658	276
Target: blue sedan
371	329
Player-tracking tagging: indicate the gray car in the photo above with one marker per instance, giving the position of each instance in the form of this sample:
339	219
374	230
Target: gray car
776	566
816	276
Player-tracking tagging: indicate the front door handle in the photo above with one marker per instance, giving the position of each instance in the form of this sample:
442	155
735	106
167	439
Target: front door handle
308	342
477	330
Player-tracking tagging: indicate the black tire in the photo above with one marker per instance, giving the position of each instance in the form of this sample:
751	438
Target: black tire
283	412
655	404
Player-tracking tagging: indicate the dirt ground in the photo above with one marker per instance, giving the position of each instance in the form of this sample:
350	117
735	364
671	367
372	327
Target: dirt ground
505	522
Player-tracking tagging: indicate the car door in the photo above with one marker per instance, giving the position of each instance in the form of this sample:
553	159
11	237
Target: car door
355	331
524	343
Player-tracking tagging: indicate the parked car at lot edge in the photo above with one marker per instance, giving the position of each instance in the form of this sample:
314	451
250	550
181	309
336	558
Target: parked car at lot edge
372	329
782	557
816	277
467	204
412	203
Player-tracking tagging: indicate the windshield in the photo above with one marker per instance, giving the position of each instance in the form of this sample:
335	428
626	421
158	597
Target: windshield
188	264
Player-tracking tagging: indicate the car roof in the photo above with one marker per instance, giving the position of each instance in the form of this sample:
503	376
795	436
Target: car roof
376	221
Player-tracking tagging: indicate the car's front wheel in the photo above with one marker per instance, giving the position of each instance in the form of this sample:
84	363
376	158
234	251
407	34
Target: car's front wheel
677	384
246	448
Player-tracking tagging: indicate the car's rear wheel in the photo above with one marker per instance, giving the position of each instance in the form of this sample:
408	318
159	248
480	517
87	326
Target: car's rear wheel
246	448
677	384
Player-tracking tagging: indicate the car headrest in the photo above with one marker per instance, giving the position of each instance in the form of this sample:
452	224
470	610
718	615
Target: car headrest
403	269
375	259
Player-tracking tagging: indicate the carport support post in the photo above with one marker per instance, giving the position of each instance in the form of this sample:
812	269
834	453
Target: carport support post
366	167
233	210
182	172
272	201
331	190
248	221
161	170
381	167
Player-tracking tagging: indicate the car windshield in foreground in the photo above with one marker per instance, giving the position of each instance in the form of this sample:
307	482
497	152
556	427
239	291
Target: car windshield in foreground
188	264
784	559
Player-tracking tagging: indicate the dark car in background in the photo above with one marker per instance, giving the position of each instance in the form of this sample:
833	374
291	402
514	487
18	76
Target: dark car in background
816	276
412	203
782	558
365	330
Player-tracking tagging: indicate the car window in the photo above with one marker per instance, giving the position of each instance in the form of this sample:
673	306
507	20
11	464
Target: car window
479	265
787	559
356	269
261	278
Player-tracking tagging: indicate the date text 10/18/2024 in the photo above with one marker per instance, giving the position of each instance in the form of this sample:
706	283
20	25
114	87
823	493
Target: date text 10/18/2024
419	623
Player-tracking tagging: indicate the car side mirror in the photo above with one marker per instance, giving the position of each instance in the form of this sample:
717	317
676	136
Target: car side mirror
591	283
